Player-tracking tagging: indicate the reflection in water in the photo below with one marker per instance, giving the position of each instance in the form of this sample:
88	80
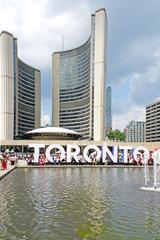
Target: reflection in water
77	203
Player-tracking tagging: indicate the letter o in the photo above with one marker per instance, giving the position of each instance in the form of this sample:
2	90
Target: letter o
86	149
137	151
48	150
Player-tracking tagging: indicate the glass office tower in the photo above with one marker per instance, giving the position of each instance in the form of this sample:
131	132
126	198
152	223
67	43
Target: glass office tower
79	85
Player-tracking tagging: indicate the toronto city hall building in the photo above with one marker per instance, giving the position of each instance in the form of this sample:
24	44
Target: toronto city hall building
19	91
79	83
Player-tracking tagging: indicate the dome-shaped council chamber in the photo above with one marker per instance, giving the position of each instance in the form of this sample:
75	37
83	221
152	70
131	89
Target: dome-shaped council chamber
52	133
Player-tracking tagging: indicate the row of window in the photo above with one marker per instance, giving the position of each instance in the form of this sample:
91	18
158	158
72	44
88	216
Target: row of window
76	122
78	51
27	89
84	108
26	101
29	72
27	114
74	78
26	124
27	118
23	96
78	115
28	95
75	60
71	116
26	79
77	77
26	83
76	97
72	83
76	88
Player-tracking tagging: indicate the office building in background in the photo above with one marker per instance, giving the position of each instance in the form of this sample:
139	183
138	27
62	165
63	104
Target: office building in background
153	121
79	83
135	131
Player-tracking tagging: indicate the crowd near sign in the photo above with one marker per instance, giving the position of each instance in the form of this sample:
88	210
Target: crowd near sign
103	152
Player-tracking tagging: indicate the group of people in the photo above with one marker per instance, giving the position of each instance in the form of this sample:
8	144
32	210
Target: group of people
56	159
30	159
7	159
140	160
12	157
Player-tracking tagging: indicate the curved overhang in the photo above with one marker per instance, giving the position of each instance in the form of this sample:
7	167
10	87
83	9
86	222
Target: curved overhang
36	69
52	133
101	9
5	32
69	50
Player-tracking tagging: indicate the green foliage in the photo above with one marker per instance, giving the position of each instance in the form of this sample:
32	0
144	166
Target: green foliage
116	135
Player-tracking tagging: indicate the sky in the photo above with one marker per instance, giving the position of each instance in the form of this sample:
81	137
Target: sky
133	46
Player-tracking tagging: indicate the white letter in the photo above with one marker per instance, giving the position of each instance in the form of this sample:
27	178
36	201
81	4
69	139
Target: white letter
113	156
36	150
74	153
48	150
125	152
87	148
137	151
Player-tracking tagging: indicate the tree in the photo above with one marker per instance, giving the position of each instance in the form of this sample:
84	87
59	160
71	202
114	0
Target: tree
111	135
116	135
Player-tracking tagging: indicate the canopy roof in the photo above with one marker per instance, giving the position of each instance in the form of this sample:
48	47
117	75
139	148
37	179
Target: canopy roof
52	132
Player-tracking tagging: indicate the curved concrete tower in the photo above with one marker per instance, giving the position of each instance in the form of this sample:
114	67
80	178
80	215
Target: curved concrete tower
6	86
79	83
19	91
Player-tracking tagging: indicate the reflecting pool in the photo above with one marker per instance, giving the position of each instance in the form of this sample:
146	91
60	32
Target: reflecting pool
78	203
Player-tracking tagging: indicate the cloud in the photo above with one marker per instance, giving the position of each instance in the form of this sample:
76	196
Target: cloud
144	86
133	92
133	43
136	113
132	36
40	24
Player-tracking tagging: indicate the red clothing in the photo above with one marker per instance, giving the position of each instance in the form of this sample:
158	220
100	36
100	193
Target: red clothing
4	164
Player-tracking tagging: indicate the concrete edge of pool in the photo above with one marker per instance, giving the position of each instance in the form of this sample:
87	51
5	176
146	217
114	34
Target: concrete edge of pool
80	166
3	173
23	164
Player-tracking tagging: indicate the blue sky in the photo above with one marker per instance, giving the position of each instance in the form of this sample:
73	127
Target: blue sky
133	51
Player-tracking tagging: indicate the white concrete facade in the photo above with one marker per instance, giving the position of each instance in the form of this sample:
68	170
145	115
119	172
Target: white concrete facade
6	86
100	75
55	90
20	87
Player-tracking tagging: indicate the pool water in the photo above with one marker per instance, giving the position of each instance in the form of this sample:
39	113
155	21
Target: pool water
78	203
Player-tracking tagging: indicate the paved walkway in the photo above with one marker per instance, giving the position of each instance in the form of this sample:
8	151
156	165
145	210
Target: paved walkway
3	173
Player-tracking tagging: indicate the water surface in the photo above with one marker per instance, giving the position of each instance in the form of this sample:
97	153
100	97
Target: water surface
78	203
